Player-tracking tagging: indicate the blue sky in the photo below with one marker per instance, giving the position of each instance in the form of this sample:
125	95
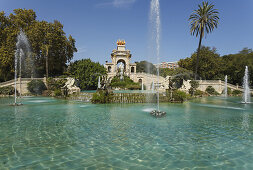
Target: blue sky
97	24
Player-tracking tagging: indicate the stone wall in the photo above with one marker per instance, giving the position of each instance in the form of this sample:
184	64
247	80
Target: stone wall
21	84
124	97
218	85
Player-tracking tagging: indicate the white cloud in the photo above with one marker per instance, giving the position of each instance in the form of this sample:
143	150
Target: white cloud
117	3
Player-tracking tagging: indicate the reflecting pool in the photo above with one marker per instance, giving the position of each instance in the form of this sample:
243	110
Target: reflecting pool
204	133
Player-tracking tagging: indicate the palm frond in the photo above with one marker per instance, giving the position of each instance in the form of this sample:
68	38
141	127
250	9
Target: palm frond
204	19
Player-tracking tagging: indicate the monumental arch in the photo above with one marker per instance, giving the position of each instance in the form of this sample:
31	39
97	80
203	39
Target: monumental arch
122	55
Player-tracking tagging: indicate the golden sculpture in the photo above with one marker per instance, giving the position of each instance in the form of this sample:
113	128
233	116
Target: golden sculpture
121	42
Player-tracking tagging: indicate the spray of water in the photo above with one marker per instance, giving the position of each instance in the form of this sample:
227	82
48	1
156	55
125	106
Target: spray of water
246	93
155	27
99	84
23	47
226	87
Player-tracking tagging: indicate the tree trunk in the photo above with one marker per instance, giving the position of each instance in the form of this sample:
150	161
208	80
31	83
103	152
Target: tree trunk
197	62
47	67
47	61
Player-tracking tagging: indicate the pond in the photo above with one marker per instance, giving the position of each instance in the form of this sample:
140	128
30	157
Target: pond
50	133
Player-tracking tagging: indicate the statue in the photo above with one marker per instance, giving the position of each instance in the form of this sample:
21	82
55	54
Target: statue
121	67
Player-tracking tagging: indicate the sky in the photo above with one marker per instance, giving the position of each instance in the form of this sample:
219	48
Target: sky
97	24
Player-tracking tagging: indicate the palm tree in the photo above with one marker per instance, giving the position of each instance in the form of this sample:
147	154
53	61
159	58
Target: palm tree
203	21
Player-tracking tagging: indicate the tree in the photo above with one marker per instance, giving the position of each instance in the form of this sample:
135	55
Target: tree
194	86
211	65
87	72
47	40
145	67
178	72
203	21
245	51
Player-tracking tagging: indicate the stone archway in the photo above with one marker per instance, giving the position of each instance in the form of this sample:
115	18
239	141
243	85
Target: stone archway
123	62
109	69
132	69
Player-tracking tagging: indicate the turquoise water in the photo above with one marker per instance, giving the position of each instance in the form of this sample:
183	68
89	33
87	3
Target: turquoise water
44	133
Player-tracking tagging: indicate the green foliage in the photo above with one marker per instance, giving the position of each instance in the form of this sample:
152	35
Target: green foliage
179	96
209	63
57	92
210	90
213	67
8	90
199	93
194	86
54	84
46	39
236	92
126	83
229	91
101	96
178	72
203	21
36	87
176	82
235	66
133	86
145	67
87	73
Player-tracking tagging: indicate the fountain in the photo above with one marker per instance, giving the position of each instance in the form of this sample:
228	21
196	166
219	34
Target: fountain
121	67
226	87
142	86
22	46
246	92
153	87
99	84
155	25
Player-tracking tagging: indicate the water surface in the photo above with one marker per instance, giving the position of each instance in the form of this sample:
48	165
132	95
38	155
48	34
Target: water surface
45	133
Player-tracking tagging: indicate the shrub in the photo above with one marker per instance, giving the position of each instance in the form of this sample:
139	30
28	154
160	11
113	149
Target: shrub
8	90
101	96
229	91
199	93
194	86
133	86
236	92
57	92
36	87
210	90
180	96
55	84
126	83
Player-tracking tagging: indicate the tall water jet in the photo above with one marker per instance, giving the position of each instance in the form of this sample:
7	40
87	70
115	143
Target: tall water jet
22	46
226	87
99	84
153	87
246	91
15	75
155	26
142	86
